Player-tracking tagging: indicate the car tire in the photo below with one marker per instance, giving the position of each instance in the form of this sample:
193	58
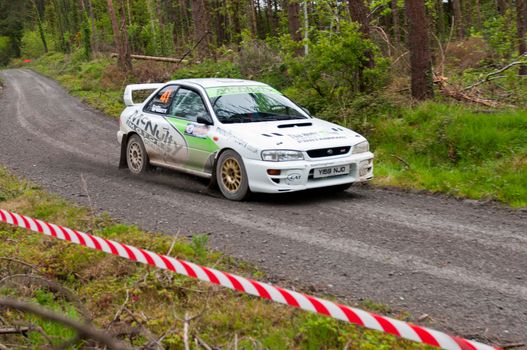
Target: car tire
136	157
231	176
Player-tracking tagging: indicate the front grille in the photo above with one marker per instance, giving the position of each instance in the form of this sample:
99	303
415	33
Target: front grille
328	152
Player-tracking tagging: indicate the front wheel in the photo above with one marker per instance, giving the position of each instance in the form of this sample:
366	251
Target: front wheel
231	176
136	156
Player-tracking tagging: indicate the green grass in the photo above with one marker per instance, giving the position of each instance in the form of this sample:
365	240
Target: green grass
455	150
158	299
450	148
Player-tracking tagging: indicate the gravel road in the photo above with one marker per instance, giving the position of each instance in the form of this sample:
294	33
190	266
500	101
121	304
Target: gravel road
464	264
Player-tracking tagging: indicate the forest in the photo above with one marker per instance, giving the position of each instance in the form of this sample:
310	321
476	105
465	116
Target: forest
357	41
438	87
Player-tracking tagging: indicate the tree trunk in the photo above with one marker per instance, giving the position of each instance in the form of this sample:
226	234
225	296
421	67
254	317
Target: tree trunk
440	25
420	59
253	18
40	27
121	38
467	10
479	23
293	20
359	13
395	24
458	19
502	6
306	28
271	23
94	45
201	26
521	16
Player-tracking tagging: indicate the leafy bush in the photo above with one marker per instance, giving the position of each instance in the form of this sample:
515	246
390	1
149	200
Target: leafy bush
336	69
5	52
32	46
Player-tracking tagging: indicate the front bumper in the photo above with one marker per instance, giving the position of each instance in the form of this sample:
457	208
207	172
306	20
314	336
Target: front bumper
299	175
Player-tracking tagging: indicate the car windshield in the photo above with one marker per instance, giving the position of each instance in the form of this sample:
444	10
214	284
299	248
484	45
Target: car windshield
249	104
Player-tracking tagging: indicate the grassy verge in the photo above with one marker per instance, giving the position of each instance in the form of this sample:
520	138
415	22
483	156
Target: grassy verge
435	146
155	301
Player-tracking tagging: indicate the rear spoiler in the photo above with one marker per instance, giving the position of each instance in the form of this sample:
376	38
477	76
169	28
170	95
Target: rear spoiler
127	97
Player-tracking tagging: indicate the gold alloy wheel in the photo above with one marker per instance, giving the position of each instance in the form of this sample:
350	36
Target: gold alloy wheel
231	175
135	156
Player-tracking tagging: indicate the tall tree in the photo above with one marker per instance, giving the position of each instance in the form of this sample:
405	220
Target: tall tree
38	16
201	26
458	19
420	58
502	6
396	27
359	13
293	19
521	16
120	37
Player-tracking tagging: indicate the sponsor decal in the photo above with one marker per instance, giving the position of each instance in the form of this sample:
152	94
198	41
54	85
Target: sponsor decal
235	90
230	136
166	96
158	109
164	139
293	178
314	136
197	130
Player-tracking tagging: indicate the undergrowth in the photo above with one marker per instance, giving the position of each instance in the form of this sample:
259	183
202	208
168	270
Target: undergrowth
129	298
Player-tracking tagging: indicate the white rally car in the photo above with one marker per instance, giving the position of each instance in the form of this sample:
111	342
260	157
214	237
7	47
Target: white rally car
243	135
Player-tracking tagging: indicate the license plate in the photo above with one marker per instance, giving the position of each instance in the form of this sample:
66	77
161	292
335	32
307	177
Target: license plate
331	171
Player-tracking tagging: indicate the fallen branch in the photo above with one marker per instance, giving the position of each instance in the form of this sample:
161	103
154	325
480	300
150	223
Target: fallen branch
14	330
202	343
56	288
496	72
154	58
459	94
85	330
512	346
21	262
401	160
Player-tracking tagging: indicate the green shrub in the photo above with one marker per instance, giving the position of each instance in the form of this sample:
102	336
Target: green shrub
5	51
336	69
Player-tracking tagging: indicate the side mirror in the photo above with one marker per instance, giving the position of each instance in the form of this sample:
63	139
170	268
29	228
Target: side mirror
204	119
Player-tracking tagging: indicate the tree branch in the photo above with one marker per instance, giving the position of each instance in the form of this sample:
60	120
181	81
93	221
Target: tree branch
496	72
85	330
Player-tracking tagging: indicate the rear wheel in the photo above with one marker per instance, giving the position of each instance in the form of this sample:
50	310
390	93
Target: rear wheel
136	156
231	176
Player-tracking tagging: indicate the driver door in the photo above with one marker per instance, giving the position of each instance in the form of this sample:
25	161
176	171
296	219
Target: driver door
187	107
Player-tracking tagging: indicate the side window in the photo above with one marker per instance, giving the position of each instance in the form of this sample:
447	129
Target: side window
188	105
160	103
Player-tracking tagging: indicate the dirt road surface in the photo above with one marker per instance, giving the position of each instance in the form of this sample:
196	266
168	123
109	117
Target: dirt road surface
463	264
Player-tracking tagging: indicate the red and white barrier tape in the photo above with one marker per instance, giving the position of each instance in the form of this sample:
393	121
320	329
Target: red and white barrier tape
263	290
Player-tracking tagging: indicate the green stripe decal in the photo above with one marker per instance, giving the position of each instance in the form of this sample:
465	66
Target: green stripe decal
234	90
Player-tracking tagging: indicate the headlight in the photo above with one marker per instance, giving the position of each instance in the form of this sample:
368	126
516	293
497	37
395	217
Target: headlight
361	147
281	155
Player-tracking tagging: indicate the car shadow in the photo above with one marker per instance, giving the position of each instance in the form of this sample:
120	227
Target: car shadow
172	180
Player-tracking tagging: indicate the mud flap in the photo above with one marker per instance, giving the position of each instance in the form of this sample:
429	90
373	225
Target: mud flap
122	160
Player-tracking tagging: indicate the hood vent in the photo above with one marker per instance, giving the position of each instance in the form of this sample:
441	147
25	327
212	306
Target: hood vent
293	125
